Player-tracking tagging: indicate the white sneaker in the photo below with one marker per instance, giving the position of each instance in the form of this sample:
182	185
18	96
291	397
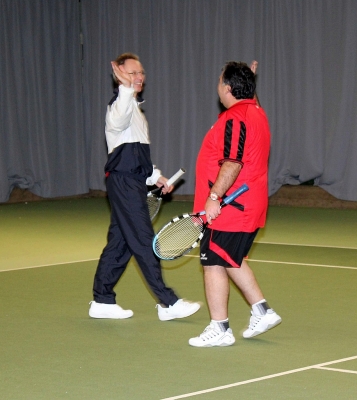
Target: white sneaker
111	311
261	323
212	336
180	309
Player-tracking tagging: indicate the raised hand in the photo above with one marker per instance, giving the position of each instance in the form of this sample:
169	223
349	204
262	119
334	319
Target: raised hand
121	75
254	66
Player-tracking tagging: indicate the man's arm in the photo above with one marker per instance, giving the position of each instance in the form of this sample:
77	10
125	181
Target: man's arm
119	114
227	175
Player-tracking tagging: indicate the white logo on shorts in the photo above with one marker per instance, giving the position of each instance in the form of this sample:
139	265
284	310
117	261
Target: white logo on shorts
203	256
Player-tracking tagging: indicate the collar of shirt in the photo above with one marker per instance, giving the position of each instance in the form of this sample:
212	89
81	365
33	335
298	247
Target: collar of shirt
240	103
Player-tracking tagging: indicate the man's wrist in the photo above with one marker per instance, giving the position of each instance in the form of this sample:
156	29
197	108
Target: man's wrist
214	196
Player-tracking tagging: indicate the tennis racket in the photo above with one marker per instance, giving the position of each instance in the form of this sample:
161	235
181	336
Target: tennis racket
183	233
154	198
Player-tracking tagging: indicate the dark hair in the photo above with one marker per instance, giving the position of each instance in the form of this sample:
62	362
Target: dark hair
240	78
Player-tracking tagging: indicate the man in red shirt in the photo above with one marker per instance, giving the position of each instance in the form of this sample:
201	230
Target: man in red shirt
233	152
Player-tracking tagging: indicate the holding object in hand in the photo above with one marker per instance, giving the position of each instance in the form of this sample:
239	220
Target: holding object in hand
154	197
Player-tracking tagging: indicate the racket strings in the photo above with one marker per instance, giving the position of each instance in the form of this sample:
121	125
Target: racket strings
179	236
153	203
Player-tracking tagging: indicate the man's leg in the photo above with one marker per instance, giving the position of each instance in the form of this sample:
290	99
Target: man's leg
263	317
217	333
217	291
111	266
170	306
246	282
136	227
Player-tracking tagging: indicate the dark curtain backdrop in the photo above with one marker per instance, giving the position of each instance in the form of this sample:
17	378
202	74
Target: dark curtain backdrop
41	114
53	105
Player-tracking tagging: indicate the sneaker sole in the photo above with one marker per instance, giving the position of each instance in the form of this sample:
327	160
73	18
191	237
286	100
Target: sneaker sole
109	316
213	345
170	317
270	326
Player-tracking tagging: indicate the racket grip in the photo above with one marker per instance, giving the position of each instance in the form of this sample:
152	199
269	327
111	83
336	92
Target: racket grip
175	177
231	197
235	194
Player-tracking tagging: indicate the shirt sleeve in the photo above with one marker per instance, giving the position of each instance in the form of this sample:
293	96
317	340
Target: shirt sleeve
232	145
119	114
151	180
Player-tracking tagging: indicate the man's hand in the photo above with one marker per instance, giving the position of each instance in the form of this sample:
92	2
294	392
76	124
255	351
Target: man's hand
254	66
162	183
122	76
212	209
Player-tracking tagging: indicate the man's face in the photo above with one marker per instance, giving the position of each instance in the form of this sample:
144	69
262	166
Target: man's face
136	73
222	90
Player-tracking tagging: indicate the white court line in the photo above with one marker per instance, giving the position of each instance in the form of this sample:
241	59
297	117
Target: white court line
306	245
293	371
289	263
50	265
190	255
303	264
347	371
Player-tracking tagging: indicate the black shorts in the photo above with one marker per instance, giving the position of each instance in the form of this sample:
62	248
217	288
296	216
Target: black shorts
226	249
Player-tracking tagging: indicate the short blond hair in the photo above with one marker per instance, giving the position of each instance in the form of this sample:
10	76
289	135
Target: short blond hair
120	60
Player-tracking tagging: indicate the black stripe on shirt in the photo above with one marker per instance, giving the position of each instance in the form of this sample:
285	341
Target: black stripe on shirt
241	143
228	140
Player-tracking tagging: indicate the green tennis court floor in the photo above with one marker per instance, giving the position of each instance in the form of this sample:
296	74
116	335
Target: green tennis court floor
305	260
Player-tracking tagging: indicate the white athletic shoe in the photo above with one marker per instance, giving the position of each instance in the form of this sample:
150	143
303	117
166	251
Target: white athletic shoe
111	311
212	336
261	323
180	309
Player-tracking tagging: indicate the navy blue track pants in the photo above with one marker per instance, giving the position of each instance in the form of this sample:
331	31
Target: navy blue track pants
130	234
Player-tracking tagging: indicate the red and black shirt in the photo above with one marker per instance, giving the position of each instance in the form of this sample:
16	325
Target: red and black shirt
241	134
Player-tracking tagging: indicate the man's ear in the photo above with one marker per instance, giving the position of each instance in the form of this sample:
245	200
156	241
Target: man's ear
228	89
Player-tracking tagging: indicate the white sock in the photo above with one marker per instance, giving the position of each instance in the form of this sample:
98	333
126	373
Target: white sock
260	308
221	325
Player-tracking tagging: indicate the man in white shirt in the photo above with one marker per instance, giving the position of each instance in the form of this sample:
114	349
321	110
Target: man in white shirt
128	170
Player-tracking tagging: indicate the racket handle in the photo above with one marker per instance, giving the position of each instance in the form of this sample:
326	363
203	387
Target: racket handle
231	197
175	177
234	195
